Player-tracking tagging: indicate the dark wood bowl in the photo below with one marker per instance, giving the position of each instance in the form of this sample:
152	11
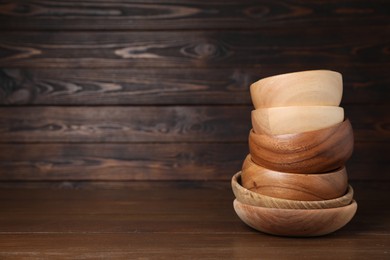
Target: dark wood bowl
323	186
317	151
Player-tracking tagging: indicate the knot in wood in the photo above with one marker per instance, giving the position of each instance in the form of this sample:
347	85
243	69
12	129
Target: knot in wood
206	50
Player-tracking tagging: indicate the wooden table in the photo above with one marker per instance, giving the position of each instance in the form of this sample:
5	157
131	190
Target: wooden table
167	220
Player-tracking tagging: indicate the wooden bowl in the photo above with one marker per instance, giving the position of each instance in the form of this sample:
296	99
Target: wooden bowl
255	199
305	88
310	152
295	222
291	120
292	186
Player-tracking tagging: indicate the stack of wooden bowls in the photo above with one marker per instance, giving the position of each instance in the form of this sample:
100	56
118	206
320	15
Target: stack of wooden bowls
294	181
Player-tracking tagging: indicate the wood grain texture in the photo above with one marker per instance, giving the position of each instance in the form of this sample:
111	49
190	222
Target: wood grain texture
168	86
82	75
252	198
126	86
125	124
296	222
292	186
157	124
121	161
176	220
190	246
198	48
317	151
295	119
304	88
144	15
192	56
176	161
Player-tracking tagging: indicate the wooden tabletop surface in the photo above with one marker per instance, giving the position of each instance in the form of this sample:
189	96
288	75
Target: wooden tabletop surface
142	220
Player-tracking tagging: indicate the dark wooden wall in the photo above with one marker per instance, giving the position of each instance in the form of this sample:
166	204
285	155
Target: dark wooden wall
159	90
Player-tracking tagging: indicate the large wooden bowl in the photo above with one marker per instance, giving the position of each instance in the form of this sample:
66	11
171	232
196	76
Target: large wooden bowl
305	88
255	199
324	186
310	152
295	222
291	120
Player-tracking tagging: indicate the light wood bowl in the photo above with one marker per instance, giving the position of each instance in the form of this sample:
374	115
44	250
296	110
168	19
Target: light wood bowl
310	152
295	119
295	222
255	199
305	88
292	186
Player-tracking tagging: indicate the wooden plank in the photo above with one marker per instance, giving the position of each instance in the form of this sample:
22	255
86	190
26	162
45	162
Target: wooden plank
170	187
175	214
142	15
127	86
120	161
321	47
167	86
370	123
170	220
175	161
185	204
157	124
190	246
124	124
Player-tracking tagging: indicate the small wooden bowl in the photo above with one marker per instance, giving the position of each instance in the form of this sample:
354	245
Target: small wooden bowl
255	199
291	120
305	88
292	186
310	152
295	222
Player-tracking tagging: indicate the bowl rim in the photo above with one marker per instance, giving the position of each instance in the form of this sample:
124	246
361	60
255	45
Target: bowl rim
259	82
257	110
255	199
351	204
